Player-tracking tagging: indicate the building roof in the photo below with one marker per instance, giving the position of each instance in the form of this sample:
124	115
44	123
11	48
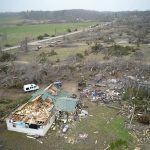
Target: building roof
61	99
36	111
65	104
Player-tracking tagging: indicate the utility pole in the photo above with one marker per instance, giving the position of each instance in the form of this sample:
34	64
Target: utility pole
55	31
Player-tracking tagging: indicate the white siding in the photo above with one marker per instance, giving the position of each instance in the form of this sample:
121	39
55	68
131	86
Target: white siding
41	131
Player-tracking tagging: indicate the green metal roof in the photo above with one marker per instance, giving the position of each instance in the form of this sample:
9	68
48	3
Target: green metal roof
62	102
65	104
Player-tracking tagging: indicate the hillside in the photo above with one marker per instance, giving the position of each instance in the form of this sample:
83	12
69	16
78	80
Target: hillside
73	15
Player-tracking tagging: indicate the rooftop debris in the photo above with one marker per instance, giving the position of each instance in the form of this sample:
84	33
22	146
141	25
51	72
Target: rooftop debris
35	112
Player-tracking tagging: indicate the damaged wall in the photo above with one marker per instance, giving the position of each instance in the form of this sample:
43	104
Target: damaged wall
40	131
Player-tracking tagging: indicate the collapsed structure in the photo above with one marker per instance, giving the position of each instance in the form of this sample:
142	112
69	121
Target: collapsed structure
37	115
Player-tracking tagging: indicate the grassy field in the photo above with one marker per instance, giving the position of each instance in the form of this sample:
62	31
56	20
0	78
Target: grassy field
107	127
62	53
104	121
14	34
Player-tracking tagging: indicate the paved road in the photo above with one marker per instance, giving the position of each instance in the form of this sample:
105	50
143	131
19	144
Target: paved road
46	40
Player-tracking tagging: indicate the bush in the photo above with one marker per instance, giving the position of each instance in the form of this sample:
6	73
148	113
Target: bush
79	55
42	57
7	45
40	37
53	35
97	48
138	97
86	53
117	50
106	57
4	68
118	144
139	94
68	30
17	84
58	60
46	35
52	53
4	56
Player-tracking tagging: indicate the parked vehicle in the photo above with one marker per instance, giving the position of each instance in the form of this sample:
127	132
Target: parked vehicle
58	84
66	127
30	87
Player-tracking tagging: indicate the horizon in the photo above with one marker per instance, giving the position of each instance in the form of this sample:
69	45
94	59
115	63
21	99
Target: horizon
92	5
72	9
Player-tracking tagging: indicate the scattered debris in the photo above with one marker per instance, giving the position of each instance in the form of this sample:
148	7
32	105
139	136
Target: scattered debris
83	113
137	148
95	132
95	141
83	136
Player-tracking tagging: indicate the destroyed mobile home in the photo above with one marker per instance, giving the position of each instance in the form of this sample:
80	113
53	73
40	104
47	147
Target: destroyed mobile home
37	115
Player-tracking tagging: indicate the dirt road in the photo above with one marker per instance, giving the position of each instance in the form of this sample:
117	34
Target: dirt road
39	42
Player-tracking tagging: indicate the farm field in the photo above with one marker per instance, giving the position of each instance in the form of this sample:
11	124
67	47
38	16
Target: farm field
14	34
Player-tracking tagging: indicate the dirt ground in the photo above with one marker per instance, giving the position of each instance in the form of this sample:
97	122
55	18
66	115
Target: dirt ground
12	94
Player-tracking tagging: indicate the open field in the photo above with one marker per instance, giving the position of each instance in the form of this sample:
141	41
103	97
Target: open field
62	53
14	34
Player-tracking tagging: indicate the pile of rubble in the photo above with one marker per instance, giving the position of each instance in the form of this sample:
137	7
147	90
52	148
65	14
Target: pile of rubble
104	90
107	90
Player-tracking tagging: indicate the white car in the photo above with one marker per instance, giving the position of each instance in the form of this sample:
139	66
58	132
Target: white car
66	127
30	87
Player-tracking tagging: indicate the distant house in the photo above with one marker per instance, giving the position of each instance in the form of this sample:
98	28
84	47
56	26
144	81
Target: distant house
37	115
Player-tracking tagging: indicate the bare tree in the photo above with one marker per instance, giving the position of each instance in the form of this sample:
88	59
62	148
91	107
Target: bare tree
24	45
0	49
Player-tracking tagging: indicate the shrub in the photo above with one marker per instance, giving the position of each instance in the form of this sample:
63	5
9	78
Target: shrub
53	35
117	50
139	97
118	144
17	84
46	35
96	48
106	57
79	55
52	53
58	60
86	53
40	37
4	56
7	45
68	30
42	57
4	68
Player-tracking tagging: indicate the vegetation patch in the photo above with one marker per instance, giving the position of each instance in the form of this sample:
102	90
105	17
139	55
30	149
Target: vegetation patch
7	105
4	56
107	127
117	50
118	144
